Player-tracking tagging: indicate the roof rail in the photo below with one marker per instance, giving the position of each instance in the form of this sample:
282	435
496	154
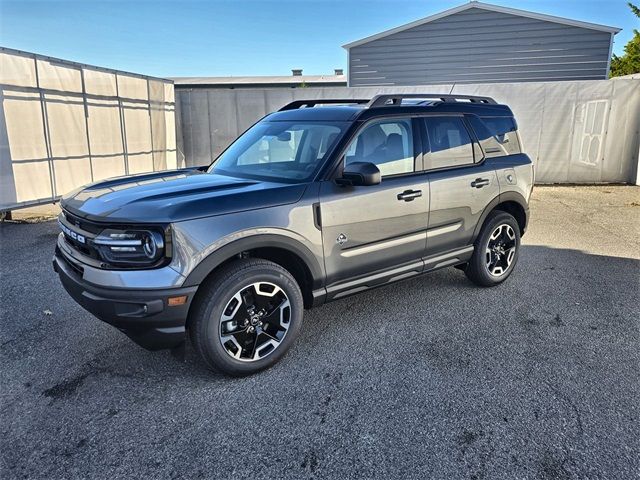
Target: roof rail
396	99
321	101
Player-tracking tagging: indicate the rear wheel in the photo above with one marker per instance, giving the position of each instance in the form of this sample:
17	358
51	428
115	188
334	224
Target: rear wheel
496	250
246	317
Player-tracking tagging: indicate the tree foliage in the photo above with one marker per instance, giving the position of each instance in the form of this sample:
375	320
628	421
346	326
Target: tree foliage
629	62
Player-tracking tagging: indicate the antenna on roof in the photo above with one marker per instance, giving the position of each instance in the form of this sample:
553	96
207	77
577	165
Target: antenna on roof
454	83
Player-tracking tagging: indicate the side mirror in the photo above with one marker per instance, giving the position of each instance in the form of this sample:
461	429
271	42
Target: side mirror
360	173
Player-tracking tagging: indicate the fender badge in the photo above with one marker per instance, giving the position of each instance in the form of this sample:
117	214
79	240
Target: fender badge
342	239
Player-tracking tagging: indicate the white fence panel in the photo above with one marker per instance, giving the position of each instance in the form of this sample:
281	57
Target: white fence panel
64	124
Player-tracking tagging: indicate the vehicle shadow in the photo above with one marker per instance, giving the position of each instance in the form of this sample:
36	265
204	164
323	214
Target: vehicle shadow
549	287
546	284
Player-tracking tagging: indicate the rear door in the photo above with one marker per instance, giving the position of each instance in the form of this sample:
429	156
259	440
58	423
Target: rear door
367	229
461	183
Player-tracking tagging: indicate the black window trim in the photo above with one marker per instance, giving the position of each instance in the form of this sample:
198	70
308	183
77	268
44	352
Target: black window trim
418	161
515	131
426	144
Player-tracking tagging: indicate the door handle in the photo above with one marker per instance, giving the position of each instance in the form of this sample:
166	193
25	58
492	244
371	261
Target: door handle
480	182
409	195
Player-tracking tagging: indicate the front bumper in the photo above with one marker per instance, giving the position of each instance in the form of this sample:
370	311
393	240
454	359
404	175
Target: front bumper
142	314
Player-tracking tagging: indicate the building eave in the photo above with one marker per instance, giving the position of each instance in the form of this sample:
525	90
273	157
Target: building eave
484	6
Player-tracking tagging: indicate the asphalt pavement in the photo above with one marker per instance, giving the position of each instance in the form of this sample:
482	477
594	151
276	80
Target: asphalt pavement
433	377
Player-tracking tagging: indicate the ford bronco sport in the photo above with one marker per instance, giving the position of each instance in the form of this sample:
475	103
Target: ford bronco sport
322	199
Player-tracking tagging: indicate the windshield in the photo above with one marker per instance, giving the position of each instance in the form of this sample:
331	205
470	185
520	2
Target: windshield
285	151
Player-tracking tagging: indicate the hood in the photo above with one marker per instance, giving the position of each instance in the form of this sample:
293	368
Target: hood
173	196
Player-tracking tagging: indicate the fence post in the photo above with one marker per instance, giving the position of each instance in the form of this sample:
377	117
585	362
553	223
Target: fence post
45	129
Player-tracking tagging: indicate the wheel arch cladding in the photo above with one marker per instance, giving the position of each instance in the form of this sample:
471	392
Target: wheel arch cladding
516	210
510	202
289	254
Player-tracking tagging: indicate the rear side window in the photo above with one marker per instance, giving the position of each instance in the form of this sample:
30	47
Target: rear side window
387	143
449	141
505	140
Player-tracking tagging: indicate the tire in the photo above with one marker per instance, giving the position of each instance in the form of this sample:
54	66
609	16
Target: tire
492	261
247	299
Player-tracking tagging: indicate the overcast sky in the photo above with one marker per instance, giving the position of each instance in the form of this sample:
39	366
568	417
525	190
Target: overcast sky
241	37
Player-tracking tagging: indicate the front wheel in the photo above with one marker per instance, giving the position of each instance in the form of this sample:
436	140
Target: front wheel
496	250
246	317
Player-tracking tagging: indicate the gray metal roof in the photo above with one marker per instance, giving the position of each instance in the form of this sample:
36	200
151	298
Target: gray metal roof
262	80
485	6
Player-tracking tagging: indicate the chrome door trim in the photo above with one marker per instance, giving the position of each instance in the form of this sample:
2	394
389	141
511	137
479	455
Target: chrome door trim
375	247
434	232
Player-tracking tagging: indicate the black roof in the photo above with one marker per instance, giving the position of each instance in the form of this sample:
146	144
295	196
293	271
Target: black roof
350	113
342	113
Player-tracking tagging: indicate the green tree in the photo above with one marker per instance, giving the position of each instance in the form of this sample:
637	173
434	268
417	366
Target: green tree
629	62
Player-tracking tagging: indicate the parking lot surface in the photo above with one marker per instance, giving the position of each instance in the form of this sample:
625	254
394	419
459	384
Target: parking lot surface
428	378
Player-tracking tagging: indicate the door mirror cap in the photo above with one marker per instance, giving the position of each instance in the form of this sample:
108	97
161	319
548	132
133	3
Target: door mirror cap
360	174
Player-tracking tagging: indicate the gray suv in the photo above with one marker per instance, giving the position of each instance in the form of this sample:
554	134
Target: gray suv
320	200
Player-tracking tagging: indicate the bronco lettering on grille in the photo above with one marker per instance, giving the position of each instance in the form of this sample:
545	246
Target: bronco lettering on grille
70	233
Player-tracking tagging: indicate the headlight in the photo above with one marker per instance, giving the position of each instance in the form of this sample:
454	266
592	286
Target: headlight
131	247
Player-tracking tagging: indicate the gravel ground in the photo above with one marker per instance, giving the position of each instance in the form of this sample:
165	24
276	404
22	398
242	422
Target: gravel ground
430	378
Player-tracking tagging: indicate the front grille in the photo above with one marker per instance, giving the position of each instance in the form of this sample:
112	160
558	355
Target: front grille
83	249
82	224
79	233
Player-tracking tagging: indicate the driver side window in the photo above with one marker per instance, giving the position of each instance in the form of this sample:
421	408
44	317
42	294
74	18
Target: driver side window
385	143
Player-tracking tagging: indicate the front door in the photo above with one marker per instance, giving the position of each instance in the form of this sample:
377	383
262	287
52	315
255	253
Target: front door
371	230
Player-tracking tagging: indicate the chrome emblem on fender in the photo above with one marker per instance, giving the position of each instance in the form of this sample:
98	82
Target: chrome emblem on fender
342	239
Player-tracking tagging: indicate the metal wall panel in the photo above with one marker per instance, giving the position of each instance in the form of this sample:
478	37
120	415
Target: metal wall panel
196	123
223	119
478	46
575	132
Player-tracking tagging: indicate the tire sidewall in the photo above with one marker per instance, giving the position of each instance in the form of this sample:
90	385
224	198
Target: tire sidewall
496	219
211	347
